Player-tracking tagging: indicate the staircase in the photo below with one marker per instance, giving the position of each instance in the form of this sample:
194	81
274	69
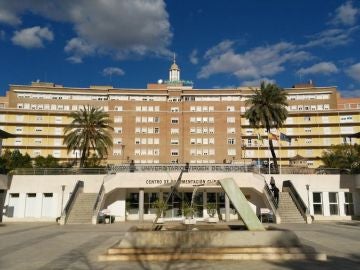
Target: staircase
83	208
288	211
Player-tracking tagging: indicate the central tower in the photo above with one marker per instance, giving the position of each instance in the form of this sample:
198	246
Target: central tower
174	73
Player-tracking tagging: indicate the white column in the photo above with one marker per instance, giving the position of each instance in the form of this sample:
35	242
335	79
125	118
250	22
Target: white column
141	204
205	213
227	208
341	202
325	201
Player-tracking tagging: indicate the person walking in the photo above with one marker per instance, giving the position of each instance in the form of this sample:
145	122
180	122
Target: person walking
274	190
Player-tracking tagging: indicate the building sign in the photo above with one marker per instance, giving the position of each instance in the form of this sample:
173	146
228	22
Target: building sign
183	182
181	82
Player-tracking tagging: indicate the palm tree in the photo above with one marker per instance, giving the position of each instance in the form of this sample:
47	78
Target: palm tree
88	132
267	110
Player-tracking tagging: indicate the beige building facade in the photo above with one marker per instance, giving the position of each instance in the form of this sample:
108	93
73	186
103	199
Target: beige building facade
172	122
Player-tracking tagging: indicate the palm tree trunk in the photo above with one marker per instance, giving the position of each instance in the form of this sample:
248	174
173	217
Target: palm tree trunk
274	156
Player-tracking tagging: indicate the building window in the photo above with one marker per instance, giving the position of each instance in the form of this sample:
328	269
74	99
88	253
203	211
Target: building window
156	130
57	142
19	118
174	152
174	109
333	203
230	141
118	108
230	119
118	119
174	131
38	129
174	120
174	141
231	130
118	130
57	153
18	130
349	204
231	152
325	119
58	131
307	118
18	141
317	203
230	108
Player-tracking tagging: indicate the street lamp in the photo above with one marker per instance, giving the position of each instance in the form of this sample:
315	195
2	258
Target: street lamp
308	197
62	198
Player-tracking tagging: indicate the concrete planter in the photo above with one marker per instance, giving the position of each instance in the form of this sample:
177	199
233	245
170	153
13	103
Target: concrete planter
212	219
189	221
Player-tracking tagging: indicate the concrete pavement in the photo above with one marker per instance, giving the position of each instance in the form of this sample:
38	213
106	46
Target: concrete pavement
50	246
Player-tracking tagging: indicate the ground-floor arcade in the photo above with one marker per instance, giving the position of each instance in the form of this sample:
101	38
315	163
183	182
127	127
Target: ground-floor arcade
130	196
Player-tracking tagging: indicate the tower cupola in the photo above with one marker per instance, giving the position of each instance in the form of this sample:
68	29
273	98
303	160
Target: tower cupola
174	74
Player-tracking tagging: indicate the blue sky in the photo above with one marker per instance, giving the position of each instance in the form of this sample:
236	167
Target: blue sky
128	43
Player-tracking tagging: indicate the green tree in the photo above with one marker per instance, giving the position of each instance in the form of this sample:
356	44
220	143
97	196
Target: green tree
12	160
342	156
88	132
267	110
46	162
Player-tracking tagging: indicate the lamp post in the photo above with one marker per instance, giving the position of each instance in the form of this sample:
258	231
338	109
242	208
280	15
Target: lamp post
243	154
308	197
62	198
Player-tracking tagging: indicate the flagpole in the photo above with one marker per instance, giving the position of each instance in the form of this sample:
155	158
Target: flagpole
259	157
258	152
280	153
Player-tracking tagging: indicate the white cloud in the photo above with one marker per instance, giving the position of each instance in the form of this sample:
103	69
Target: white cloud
8	17
193	57
257	82
110	71
354	71
118	28
331	37
2	35
78	48
345	14
222	47
325	68
33	37
256	63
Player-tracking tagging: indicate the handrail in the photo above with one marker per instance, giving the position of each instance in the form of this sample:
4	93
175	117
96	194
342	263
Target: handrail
98	203
167	167
289	187
270	199
66	211
59	171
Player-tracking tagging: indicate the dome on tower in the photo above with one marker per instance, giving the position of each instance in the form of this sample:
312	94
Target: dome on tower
174	66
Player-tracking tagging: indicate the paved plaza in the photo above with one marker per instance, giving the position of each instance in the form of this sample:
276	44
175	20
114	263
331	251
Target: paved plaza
50	246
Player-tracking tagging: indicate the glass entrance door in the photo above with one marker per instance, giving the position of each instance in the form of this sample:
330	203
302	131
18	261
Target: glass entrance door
177	201
174	205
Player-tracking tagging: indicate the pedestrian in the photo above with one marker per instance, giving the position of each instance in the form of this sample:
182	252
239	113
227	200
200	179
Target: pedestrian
274	190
